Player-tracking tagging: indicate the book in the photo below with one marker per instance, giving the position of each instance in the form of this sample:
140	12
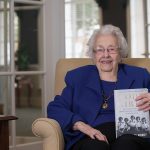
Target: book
128	119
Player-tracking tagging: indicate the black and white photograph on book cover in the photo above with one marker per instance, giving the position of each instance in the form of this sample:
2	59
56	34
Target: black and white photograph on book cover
133	125
129	120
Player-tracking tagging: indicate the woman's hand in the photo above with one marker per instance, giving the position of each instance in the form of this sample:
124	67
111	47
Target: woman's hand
89	131
143	102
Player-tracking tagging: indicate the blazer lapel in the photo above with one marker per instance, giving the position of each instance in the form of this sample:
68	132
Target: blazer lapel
94	85
94	81
124	81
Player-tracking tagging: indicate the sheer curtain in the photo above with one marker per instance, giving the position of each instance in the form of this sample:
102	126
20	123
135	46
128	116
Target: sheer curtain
81	18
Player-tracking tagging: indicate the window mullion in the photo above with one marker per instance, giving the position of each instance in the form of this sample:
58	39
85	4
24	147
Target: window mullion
13	104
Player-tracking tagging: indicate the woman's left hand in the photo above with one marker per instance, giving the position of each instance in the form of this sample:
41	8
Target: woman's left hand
143	102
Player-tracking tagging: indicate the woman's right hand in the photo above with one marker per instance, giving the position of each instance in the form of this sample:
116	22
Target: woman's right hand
89	131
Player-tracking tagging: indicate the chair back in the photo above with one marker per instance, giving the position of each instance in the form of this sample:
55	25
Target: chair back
64	65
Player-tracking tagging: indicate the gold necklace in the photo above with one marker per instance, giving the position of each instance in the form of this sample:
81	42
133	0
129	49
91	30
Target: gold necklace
106	98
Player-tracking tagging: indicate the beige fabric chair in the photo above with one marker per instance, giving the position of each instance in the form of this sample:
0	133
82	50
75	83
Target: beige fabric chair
48	129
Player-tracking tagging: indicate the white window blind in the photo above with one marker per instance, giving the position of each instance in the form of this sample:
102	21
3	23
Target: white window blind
81	18
140	28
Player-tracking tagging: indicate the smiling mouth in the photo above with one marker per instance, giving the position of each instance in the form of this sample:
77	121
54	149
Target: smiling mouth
106	61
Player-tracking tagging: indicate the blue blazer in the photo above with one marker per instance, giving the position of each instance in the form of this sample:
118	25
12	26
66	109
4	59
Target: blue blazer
81	98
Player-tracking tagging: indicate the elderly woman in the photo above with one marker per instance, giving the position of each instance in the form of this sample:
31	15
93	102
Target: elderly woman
85	109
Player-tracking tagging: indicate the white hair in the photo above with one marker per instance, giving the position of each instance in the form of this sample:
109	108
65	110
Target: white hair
113	30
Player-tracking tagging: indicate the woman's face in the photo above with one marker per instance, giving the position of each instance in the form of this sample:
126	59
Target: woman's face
106	53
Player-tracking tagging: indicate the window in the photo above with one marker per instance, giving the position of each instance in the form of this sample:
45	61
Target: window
81	18
1	39
140	28
3	30
4	36
148	26
22	91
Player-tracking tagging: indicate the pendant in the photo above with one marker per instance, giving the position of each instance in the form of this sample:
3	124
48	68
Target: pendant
105	105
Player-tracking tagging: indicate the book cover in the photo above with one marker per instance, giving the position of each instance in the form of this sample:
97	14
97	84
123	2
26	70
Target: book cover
128	119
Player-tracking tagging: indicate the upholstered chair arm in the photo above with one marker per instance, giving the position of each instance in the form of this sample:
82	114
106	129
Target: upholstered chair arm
50	132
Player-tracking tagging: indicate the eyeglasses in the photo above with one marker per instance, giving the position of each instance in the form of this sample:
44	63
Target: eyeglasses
110	50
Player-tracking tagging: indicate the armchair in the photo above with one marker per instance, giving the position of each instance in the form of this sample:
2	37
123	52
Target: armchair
48	129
